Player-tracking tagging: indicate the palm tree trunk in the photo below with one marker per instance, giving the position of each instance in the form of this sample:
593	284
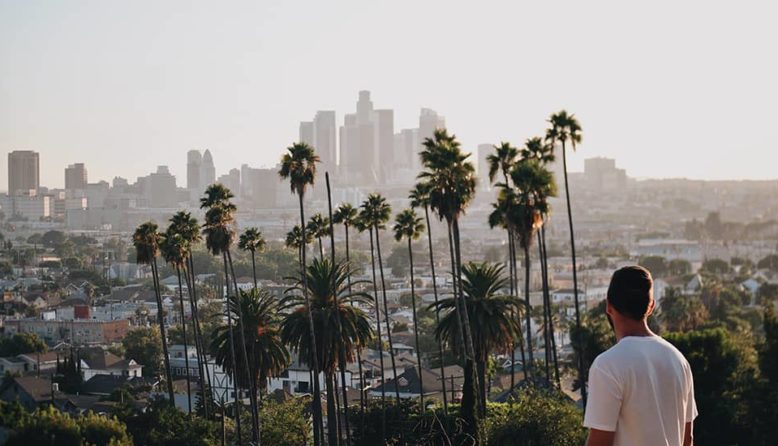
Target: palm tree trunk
528	311
550	315
254	268
437	316
512	275
359	353
233	357
520	341
466	316
316	401
321	249
455	287
342	353
546	340
202	365
575	276
332	412
481	367
162	332
255	426
186	349
380	341
416	326
386	313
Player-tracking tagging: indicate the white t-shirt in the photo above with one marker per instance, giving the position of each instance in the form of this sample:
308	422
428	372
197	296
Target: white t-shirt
642	389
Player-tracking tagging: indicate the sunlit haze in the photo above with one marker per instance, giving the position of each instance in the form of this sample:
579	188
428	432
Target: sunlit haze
668	89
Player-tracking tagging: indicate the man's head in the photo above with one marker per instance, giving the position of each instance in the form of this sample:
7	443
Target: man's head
631	294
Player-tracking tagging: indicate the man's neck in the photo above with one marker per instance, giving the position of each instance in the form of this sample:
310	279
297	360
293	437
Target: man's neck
639	329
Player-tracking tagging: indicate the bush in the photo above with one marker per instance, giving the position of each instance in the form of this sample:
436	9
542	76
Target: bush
536	417
50	426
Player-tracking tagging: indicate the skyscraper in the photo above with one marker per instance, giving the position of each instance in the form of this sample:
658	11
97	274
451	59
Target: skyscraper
23	171
207	171
194	162
325	139
383	144
306	132
429	121
75	177
357	144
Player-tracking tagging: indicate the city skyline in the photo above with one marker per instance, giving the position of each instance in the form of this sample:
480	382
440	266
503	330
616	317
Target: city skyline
644	98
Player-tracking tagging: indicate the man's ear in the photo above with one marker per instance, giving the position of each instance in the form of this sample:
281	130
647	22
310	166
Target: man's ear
651	306
608	309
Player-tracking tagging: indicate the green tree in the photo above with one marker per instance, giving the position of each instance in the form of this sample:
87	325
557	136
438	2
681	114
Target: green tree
715	266
408	226
681	313
593	337
298	165
769	262
564	128
21	343
656	264
144	345
146	240
329	298
492	326
723	372
162	425
252	241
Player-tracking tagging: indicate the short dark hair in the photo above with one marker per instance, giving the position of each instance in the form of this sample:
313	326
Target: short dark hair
630	291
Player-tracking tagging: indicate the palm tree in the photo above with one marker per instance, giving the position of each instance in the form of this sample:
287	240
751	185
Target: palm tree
328	299
184	224
451	180
346	215
419	197
175	250
565	127
219	232
503	160
319	227
267	353
146	241
408	226
376	212
362	224
252	241
492	325
299	166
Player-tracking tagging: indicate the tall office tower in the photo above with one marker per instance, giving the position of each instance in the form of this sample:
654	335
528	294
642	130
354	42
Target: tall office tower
159	188
325	139
383	144
194	162
484	150
75	177
207	171
429	121
405	152
306	132
23	171
357	144
231	180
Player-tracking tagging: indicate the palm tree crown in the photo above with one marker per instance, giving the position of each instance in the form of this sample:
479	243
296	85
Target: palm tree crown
252	240
345	214
408	225
501	160
299	166
326	282
449	175
375	211
146	241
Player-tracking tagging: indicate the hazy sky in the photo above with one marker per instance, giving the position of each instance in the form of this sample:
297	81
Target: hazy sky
668	88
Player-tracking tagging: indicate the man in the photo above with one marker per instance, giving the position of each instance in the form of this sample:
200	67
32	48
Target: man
641	391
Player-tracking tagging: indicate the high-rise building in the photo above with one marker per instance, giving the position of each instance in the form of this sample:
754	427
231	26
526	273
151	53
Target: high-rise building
429	121
159	188
231	180
207	171
325	139
306	132
358	144
383	144
194	162
259	186
75	177
484	150
23	171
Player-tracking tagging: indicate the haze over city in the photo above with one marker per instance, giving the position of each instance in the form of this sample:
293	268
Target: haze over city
667	89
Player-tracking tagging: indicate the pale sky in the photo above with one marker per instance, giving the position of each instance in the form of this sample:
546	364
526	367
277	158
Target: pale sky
668	88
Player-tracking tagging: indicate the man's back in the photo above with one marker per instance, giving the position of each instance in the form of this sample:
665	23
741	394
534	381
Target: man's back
642	389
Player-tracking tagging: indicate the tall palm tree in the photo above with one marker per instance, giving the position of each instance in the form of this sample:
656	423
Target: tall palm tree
564	128
187	226
175	250
298	165
503	160
146	241
346	215
267	353
419	197
319	227
329	299
376	212
452	184
491	323
252	241
219	232
408	226
362	224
